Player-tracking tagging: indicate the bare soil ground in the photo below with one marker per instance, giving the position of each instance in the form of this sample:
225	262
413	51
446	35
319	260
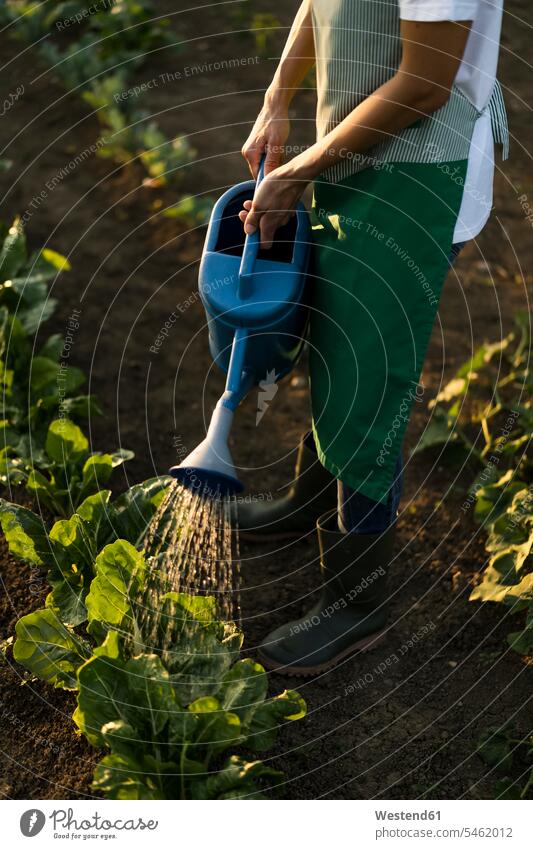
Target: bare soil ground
411	727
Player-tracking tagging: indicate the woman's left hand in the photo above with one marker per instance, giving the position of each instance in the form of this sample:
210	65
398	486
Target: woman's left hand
275	201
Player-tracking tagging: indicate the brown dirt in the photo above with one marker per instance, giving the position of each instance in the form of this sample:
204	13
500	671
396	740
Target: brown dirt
413	728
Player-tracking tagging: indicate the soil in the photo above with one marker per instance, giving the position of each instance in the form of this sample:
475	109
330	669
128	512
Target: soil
404	720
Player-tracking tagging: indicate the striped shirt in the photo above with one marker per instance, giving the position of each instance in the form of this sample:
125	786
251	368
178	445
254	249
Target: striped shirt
358	48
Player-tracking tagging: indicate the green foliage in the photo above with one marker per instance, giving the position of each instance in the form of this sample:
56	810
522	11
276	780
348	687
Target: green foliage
36	386
505	754
129	31
25	534
24	279
163	158
108	33
49	649
69	550
506	510
170	718
167	719
107	44
69	473
462	417
485	413
130	513
503	497
119	577
504	500
129	133
503	489
264	27
192	211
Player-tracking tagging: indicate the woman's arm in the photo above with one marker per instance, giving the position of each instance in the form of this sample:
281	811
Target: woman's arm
271	128
431	57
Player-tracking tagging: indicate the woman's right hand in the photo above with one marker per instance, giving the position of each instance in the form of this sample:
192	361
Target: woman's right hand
269	134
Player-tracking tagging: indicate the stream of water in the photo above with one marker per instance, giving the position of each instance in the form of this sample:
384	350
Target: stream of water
190	547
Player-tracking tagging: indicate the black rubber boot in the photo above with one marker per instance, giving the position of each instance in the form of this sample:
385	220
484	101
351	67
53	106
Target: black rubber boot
313	492
351	613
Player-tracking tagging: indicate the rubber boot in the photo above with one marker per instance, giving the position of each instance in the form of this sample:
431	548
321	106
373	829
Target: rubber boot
351	613
294	515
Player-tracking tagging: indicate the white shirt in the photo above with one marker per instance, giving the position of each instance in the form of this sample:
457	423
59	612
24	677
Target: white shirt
475	79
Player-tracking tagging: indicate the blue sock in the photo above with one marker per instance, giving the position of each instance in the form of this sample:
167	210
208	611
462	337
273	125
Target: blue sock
359	514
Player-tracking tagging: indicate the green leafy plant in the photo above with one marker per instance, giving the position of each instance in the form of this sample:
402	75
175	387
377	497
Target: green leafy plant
129	133
462	417
502	751
167	718
34	19
131	30
35	386
485	411
121	31
68	551
110	44
192	211
69	472
505	509
503	489
25	279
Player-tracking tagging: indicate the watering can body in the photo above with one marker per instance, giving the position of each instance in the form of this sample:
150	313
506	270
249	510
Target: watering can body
257	317
259	293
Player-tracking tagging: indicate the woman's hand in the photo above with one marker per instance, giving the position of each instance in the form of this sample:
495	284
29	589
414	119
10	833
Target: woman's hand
269	134
271	129
277	196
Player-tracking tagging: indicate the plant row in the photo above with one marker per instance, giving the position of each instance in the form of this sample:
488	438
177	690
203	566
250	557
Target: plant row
179	716
96	52
484	416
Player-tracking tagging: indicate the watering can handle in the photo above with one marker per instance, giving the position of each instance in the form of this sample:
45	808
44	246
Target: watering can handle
251	245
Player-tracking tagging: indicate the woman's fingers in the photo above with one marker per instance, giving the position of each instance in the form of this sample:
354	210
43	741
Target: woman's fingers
274	157
243	214
252	152
251	222
271	148
268	229
268	222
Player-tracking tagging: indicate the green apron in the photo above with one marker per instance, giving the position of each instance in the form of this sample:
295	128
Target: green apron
381	246
384	225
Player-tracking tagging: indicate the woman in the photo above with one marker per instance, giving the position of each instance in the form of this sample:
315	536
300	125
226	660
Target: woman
408	112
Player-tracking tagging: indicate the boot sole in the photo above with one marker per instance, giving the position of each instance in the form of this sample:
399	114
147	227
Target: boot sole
367	644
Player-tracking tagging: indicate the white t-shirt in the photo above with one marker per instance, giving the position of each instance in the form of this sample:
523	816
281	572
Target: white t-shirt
475	79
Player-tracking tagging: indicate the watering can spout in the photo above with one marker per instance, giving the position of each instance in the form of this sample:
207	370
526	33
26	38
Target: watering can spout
209	468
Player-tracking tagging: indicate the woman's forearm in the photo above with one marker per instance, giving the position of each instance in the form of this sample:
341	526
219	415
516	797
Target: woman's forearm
391	108
296	60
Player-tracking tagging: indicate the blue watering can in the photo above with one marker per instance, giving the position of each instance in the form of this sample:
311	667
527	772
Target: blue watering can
257	319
